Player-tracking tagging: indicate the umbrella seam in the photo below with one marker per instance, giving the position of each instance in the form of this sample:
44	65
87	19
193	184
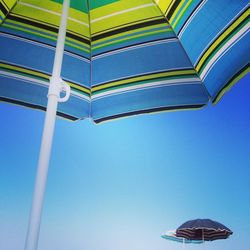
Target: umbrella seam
209	96
90	61
14	5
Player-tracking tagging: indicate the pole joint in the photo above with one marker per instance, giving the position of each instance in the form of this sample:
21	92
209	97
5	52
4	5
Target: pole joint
57	85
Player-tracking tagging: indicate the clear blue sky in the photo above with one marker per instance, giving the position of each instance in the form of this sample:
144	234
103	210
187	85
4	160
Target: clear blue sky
119	185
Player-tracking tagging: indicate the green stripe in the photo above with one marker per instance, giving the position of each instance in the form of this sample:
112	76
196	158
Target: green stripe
51	33
48	36
134	38
221	44
130	32
220	38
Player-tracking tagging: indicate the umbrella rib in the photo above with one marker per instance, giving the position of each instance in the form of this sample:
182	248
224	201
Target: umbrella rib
167	19
7	11
90	61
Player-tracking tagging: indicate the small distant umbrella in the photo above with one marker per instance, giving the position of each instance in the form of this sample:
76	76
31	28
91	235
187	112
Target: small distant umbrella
203	229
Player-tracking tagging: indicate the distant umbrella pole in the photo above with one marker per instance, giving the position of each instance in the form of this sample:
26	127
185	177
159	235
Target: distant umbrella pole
183	244
56	86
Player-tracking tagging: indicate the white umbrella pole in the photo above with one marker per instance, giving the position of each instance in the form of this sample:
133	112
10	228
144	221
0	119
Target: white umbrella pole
203	238
55	88
183	244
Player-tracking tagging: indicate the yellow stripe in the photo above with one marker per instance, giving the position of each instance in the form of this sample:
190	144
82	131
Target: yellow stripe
22	70
41	75
9	3
122	18
117	7
165	4
181	14
219	39
79	34
127	24
80	88
176	11
141	78
51	19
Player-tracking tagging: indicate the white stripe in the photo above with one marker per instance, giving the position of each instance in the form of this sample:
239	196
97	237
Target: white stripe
191	19
134	47
122	12
43	46
224	49
24	78
78	21
159	84
218	35
220	56
52	12
38	82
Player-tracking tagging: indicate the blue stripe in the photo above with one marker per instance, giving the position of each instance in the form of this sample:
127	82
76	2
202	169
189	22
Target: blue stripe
207	24
138	61
234	60
36	94
186	14
173	95
45	40
41	59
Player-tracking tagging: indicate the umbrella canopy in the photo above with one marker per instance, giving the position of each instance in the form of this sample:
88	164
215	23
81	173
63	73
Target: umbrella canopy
123	57
203	229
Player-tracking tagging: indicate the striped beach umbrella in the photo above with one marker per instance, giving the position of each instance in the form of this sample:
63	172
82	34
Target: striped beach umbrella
203	229
107	59
124	57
